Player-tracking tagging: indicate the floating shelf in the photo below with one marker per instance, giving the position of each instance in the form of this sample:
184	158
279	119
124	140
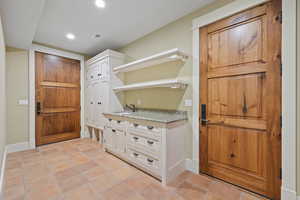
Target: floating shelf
169	83
167	56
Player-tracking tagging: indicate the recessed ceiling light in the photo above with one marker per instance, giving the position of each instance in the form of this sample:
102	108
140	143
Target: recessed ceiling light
97	36
70	36
100	3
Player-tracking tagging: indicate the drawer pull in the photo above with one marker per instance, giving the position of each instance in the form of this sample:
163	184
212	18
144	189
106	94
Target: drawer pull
113	130
150	160
99	103
136	138
109	120
135	125
150	127
99	74
91	103
136	154
150	142
92	76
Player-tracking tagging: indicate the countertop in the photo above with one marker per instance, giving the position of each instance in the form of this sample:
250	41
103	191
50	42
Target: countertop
153	115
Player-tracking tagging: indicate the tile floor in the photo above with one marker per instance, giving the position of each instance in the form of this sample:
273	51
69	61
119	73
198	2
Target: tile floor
81	170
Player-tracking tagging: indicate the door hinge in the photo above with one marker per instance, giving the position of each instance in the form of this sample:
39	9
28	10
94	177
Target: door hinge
280	121
280	173
279	17
280	69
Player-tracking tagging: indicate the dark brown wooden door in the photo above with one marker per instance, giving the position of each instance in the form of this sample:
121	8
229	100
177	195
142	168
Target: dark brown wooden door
57	98
241	99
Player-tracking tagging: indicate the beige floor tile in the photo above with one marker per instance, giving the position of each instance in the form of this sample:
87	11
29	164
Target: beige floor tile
95	172
14	193
155	191
103	182
124	172
13	181
72	183
66	174
81	193
226	191
191	192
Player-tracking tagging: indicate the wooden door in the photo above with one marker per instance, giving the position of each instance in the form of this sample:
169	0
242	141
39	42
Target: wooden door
57	98
241	99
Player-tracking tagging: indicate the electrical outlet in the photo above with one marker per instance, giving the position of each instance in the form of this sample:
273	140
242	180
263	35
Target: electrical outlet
188	103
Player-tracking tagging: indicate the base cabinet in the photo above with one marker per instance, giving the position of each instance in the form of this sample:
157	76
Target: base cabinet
156	150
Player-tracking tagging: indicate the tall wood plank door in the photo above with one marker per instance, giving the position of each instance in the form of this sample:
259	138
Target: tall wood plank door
241	99
57	98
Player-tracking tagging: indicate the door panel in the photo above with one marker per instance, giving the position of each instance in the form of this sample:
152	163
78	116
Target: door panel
237	148
245	42
241	91
238	96
58	97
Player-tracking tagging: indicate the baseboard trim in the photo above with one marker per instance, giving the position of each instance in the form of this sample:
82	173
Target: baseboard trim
2	173
11	148
287	194
190	165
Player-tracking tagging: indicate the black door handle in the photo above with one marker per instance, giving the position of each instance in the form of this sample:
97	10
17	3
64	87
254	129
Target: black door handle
204	121
38	108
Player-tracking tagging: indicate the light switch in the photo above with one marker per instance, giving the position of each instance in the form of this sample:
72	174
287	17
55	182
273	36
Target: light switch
188	103
139	102
23	102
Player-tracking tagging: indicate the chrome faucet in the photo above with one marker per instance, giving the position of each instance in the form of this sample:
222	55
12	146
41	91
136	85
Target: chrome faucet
132	107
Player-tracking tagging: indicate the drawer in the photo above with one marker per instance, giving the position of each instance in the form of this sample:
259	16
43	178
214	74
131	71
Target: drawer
149	144
140	159
148	130
118	124
107	122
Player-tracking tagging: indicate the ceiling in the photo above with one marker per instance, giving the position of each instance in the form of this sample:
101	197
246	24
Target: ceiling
119	23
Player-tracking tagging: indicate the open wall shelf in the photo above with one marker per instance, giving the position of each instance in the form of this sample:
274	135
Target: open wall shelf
166	56
168	83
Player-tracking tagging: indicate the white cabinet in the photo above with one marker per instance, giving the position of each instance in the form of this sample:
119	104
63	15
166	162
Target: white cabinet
99	81
114	140
158	150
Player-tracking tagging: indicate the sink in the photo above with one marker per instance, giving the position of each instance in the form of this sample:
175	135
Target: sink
125	113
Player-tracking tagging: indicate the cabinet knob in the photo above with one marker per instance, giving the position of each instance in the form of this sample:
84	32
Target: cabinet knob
150	142
150	127
113	130
92	76
232	155
99	74
136	138
110	120
91	102
150	160
135	125
136	154
99	103
119	122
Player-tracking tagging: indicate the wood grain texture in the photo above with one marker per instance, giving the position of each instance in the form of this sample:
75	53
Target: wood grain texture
241	86
58	93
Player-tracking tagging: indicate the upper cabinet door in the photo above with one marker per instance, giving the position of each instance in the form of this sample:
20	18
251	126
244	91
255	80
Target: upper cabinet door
89	102
105	70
